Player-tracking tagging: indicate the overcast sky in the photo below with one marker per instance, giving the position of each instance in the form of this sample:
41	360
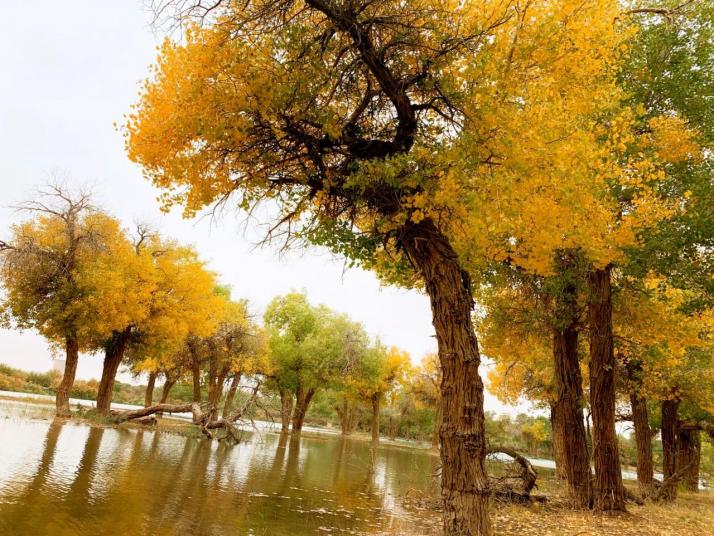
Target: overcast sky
68	72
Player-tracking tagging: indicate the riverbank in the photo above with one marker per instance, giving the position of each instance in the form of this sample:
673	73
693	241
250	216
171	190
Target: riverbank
177	424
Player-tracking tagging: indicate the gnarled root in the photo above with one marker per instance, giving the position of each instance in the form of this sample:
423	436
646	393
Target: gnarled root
518	480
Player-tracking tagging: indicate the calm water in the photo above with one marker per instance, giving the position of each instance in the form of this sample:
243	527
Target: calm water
67	478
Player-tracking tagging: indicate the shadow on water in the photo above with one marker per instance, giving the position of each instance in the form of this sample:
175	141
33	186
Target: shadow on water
65	478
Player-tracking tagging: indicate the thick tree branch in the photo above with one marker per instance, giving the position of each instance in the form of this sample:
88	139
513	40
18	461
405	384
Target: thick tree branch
347	22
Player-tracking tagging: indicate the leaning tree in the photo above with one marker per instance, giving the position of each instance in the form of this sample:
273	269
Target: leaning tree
370	126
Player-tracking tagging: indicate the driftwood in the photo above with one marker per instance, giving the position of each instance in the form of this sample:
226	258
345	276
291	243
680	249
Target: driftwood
518	481
663	486
201	416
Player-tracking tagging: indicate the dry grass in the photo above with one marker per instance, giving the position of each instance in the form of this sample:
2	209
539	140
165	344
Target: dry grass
692	515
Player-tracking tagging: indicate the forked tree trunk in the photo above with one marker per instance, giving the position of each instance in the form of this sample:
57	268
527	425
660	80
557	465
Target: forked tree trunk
643	440
113	355
149	395
70	371
168	385
670	430
231	394
375	418
286	409
302	403
215	392
609	493
464	482
558	435
688	458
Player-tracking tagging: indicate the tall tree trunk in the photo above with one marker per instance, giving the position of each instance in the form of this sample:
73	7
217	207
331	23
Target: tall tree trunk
346	414
558	435
70	371
149	395
688	457
464	481
375	399
286	409
168	385
643	440
393	429
302	403
670	431
569	439
609	493
113	355
231	394
196	377
569	426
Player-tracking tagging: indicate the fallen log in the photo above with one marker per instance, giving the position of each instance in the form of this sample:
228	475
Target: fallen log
132	414
200	413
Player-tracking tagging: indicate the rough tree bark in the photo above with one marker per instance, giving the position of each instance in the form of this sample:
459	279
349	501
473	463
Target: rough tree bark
437	427
558	435
609	493
688	457
375	399
149	395
643	440
670	430
569	423
113	355
70	371
464	482
302	403
569	427
231	394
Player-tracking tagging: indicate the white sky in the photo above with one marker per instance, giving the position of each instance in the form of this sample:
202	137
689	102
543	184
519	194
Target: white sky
68	71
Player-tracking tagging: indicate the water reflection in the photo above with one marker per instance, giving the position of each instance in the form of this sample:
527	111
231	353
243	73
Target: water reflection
125	481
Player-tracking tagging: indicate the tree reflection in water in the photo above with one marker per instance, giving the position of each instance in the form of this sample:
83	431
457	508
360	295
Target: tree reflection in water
93	480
